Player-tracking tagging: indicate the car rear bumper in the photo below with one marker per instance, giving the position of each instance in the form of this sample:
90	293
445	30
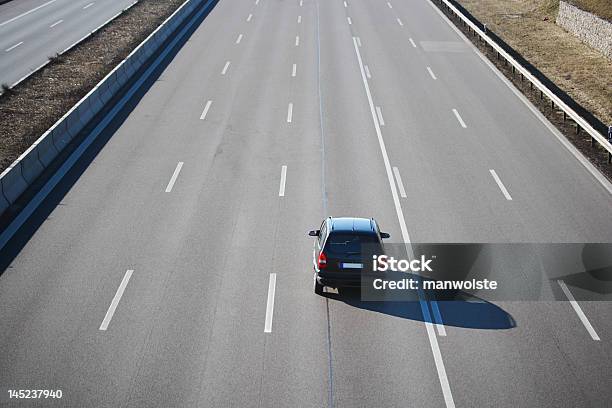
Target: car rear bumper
339	279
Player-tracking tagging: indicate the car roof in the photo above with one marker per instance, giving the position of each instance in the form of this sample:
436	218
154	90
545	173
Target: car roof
353	224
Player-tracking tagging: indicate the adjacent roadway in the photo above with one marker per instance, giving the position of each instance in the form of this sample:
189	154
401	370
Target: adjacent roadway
31	31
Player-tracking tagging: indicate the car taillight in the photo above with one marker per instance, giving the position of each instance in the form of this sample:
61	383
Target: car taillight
322	263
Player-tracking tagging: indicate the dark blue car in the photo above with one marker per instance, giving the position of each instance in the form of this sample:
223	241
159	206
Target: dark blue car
339	254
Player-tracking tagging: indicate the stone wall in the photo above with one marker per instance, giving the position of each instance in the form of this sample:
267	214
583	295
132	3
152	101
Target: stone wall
591	29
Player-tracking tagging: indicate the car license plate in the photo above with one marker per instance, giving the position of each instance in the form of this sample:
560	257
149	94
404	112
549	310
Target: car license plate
352	265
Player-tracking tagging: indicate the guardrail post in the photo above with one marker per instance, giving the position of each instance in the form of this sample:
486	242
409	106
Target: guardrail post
609	141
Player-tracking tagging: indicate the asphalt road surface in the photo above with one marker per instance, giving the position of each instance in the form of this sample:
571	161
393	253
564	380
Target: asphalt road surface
177	269
31	31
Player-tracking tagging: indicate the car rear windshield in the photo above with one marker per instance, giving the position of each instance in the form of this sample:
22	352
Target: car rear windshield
351	244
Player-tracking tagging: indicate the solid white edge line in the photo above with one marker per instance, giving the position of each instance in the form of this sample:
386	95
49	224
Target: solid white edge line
56	23
270	304
26	13
113	306
290	112
294	70
500	185
433	76
249	17
578	310
11	48
438	318
367	70
177	170
459	118
297	40
205	111
89	5
239	39
380	116
412	42
227	64
283	181
400	184
431	334
562	139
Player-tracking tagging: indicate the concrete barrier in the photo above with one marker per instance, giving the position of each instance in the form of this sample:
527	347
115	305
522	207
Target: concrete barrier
31	167
95	102
46	150
24	171
73	127
57	134
13	183
4	204
107	89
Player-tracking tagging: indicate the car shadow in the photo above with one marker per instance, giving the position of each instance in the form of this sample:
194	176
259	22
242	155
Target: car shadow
451	308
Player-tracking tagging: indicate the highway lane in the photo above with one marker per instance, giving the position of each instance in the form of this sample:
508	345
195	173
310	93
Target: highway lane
31	31
503	135
378	359
189	328
196	298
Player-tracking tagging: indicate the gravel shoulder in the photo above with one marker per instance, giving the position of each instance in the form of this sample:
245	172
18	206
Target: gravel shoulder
33	106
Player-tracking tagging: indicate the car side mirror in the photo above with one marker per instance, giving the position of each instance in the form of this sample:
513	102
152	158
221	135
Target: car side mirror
314	233
385	235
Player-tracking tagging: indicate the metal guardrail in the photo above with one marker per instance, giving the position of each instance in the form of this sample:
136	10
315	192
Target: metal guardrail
579	120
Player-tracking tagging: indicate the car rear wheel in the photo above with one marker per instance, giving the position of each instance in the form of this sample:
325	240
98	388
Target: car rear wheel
318	288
